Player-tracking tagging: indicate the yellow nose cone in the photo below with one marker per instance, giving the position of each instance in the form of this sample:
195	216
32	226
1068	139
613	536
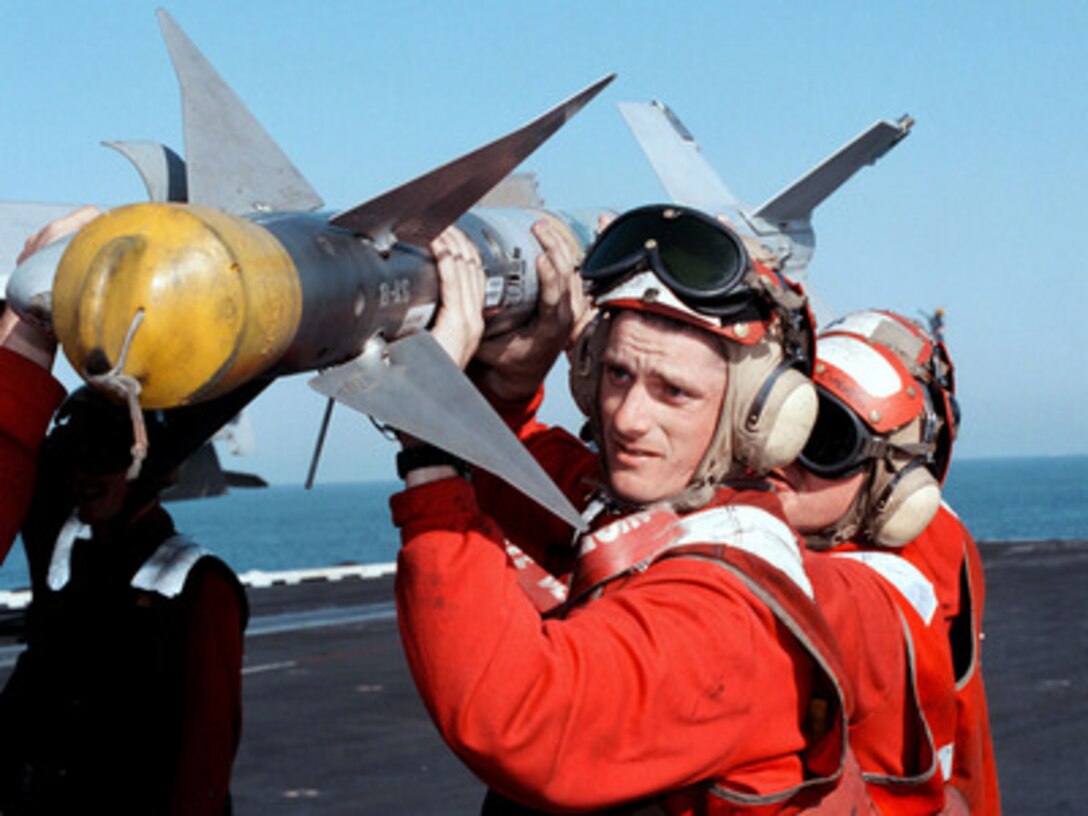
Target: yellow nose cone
216	299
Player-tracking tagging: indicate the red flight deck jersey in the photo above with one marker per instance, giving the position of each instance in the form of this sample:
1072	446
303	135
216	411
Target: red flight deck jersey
677	676
947	551
29	395
882	608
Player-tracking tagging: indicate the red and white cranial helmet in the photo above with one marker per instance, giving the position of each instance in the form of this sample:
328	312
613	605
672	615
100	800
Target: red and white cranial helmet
873	417
925	355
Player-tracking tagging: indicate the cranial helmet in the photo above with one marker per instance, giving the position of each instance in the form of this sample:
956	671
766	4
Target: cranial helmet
96	433
683	265
926	357
875	417
93	432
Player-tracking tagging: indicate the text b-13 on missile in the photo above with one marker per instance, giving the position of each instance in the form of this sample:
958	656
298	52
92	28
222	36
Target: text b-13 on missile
202	304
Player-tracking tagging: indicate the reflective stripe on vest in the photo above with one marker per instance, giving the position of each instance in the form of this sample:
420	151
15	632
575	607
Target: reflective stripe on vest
164	573
60	563
911	583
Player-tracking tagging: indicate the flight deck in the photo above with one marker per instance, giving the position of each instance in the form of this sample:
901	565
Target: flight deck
333	724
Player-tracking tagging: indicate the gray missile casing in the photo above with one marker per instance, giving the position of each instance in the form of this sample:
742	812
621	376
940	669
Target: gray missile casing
351	292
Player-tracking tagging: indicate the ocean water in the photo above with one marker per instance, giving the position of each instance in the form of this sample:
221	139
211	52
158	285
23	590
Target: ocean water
1021	499
278	528
287	527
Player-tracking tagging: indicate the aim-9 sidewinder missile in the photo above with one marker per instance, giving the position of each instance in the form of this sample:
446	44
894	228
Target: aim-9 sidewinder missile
231	276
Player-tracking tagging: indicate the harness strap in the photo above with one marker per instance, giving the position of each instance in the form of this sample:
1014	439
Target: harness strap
633	542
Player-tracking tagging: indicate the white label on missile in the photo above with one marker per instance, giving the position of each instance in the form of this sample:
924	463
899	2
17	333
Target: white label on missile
418	317
494	290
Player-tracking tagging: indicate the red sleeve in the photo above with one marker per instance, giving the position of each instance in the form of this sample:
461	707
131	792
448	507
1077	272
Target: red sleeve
28	397
519	415
677	677
212	713
573	468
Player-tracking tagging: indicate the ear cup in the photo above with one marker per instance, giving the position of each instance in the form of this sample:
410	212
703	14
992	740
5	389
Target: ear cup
906	507
585	373
778	420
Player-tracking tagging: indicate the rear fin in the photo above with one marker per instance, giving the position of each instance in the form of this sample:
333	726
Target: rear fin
797	201
516	190
236	478
162	170
412	385
233	164
238	435
677	158
202	476
418	211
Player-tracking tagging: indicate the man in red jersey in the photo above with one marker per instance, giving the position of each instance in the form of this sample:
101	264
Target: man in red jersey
868	484
688	669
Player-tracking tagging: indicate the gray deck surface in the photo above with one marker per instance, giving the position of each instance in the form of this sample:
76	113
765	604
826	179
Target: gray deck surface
333	724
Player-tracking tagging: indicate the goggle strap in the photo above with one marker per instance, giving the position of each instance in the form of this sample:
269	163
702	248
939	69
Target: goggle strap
761	398
886	494
877	448
790	305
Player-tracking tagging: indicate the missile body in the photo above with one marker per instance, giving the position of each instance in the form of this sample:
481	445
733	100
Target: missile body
213	300
197	302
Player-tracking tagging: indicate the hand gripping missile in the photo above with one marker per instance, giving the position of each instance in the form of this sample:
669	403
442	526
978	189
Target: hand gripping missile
246	282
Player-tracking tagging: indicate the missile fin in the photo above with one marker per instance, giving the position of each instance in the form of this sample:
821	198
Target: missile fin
797	201
413	385
162	170
516	190
676	157
418	211
233	164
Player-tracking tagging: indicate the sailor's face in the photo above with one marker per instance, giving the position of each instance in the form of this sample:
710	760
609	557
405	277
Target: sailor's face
100	497
812	503
660	397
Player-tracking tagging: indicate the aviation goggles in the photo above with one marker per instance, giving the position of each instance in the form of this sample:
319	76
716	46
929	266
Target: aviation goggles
700	260
840	444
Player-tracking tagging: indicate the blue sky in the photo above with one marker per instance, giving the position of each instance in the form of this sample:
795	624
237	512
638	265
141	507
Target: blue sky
980	210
